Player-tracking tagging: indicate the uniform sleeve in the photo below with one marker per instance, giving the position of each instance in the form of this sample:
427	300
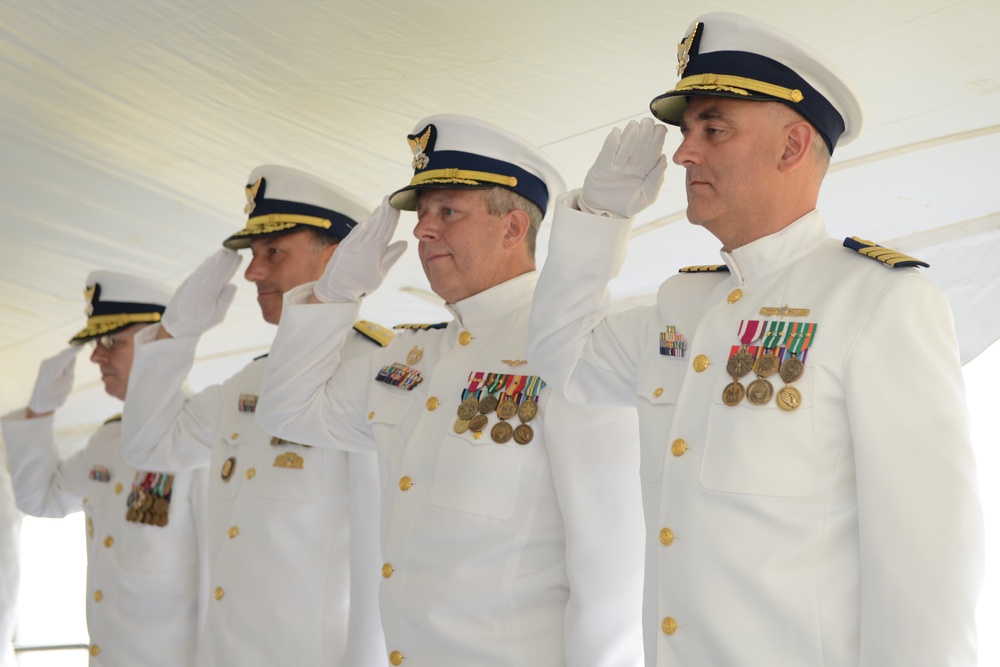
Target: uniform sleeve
10	563
161	428
594	455
43	484
311	391
919	516
570	336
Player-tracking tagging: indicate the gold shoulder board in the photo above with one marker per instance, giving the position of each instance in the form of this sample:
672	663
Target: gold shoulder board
888	256
374	332
705	268
439	325
116	418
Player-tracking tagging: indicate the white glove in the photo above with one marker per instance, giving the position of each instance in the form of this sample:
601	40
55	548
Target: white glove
628	172
55	381
362	260
204	297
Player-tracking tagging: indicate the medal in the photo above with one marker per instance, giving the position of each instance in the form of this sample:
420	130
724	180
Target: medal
791	369
488	404
461	425
800	335
523	434
478	423
760	391
733	393
502	433
468	408
528	410
788	398
741	362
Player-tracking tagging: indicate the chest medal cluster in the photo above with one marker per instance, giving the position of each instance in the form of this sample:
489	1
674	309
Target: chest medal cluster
505	397
149	500
782	350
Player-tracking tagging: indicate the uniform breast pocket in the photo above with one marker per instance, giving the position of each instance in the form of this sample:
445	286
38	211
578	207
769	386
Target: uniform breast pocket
479	479
289	472
761	449
657	395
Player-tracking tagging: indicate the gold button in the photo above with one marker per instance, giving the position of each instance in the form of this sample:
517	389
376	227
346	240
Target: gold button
432	403
405	483
109	541
371	416
83	503
396	658
387	570
700	363
233	532
735	296
98	595
234	436
118	487
90	527
219	593
666	537
464	338
477	435
251	472
94	649
678	447
658	392
669	626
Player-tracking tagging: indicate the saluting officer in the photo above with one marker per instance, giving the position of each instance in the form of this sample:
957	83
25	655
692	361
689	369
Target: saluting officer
145	527
291	527
511	529
808	476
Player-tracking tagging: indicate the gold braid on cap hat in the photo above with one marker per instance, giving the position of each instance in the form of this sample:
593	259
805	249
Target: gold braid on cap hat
739	85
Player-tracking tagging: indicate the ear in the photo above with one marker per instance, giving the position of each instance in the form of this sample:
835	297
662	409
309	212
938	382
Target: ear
798	141
517	223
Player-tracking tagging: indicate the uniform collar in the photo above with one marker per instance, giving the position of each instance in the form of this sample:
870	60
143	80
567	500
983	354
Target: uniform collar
495	302
775	252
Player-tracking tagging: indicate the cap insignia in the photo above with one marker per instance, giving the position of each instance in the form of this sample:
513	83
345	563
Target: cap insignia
90	294
684	49
252	196
420	144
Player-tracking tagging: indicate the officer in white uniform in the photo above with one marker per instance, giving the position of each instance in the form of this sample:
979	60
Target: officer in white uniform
288	523
808	477
145	527
511	530
10	562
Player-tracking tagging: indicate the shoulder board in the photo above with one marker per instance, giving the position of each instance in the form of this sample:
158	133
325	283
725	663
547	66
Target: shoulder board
111	420
263	356
439	325
374	332
705	268
888	256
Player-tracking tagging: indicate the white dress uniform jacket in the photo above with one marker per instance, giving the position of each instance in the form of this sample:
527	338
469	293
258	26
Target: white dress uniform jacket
494	554
846	532
143	580
10	562
280	542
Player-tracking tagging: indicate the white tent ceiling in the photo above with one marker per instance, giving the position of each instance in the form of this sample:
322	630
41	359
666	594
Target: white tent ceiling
128	129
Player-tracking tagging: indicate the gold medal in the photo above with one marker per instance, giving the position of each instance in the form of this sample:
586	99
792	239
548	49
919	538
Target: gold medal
478	423
502	432
739	364
528	410
161	519
161	505
488	404
506	409
145	501
461	425
468	408
523	434
791	369
733	393
130	515
760	391
788	398
766	365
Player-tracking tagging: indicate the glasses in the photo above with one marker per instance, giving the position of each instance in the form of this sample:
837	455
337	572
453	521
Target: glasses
106	341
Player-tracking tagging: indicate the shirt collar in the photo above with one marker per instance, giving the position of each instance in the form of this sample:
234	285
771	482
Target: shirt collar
776	251
495	302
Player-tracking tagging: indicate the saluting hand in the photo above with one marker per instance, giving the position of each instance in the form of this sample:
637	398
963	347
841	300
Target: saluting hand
54	382
362	260
204	297
628	172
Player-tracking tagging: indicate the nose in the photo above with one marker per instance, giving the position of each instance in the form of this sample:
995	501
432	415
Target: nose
427	228
99	354
255	270
687	153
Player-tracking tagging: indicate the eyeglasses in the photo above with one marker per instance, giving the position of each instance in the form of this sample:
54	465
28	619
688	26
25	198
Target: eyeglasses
106	341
